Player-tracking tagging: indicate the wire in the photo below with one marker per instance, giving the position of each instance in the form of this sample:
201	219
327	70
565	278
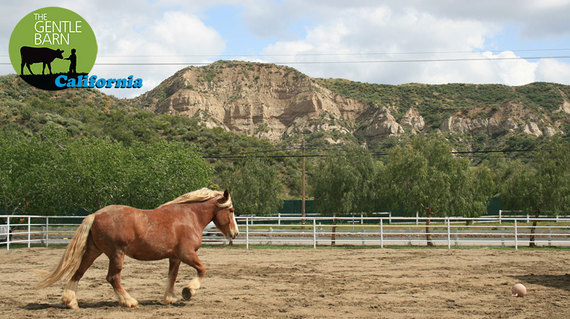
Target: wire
336	62
330	54
347	62
340	54
459	153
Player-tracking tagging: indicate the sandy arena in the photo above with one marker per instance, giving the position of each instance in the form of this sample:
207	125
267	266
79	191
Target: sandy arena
307	283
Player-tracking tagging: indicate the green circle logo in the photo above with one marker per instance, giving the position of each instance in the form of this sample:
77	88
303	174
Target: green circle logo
50	42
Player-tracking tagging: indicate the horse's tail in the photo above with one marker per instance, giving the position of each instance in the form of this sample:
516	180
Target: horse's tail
73	255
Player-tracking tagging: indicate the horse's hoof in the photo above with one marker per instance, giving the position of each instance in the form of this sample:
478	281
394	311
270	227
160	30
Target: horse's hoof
186	293
72	304
170	300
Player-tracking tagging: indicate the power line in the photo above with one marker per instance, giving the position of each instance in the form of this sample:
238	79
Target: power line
214	55
185	63
347	61
337	53
317	155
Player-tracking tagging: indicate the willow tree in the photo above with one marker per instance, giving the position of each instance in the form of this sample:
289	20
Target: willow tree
255	187
343	184
425	177
54	174
542	186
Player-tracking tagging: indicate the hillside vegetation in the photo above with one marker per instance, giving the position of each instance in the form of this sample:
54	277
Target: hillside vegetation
224	112
437	102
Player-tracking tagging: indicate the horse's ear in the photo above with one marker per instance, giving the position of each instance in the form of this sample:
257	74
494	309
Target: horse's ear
226	194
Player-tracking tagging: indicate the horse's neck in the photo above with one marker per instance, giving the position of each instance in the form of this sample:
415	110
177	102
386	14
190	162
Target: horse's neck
203	211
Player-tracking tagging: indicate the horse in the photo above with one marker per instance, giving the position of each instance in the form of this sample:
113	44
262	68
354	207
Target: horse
173	231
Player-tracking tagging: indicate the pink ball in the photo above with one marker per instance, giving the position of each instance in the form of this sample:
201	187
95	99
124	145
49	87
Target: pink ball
519	290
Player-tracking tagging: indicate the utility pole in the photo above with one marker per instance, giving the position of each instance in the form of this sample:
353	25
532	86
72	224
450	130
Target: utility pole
303	178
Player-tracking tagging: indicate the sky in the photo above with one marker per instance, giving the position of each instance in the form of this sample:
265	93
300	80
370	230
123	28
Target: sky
512	42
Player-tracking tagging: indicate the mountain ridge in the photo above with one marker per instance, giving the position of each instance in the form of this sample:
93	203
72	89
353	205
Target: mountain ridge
277	102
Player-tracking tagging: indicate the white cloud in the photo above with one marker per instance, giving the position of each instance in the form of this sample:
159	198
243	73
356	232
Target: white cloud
408	33
390	32
174	37
439	29
549	70
137	29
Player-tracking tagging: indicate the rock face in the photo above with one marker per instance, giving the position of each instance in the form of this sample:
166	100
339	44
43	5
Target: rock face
382	124
262	100
273	102
532	129
466	125
413	120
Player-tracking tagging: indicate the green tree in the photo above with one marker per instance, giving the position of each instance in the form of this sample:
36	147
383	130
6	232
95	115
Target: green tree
16	157
53	174
254	186
26	169
343	184
425	177
542	186
90	174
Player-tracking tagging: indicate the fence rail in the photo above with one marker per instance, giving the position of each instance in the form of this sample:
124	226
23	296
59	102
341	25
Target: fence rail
315	231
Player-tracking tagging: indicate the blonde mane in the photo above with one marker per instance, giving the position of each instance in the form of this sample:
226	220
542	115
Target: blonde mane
200	195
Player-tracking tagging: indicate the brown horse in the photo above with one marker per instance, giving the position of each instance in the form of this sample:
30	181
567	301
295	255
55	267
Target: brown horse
173	230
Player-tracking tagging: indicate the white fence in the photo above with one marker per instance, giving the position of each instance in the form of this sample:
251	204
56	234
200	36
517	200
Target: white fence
318	231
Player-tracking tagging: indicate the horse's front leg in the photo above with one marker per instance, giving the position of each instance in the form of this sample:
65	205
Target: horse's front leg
114	278
191	258
169	295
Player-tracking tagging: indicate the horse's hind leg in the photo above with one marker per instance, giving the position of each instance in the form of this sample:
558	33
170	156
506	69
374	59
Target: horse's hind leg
191	258
169	295
114	278
91	253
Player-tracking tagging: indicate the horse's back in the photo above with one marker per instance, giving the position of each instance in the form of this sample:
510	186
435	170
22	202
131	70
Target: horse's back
116	223
141	234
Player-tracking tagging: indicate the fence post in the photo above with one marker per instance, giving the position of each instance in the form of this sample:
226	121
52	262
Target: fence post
278	218
270	235
8	234
247	233
47	231
389	217
381	233
549	236
314	232
29	231
362	228
516	237
500	216
417	218
448	234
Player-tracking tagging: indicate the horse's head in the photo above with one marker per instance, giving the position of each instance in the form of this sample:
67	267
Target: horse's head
224	218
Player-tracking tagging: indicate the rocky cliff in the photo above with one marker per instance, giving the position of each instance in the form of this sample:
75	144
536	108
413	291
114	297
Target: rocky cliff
273	102
261	100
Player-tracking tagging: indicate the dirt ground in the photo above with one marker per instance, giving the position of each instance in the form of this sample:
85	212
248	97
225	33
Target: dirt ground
307	283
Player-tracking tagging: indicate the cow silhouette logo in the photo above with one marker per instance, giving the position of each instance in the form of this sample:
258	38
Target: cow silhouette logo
55	39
